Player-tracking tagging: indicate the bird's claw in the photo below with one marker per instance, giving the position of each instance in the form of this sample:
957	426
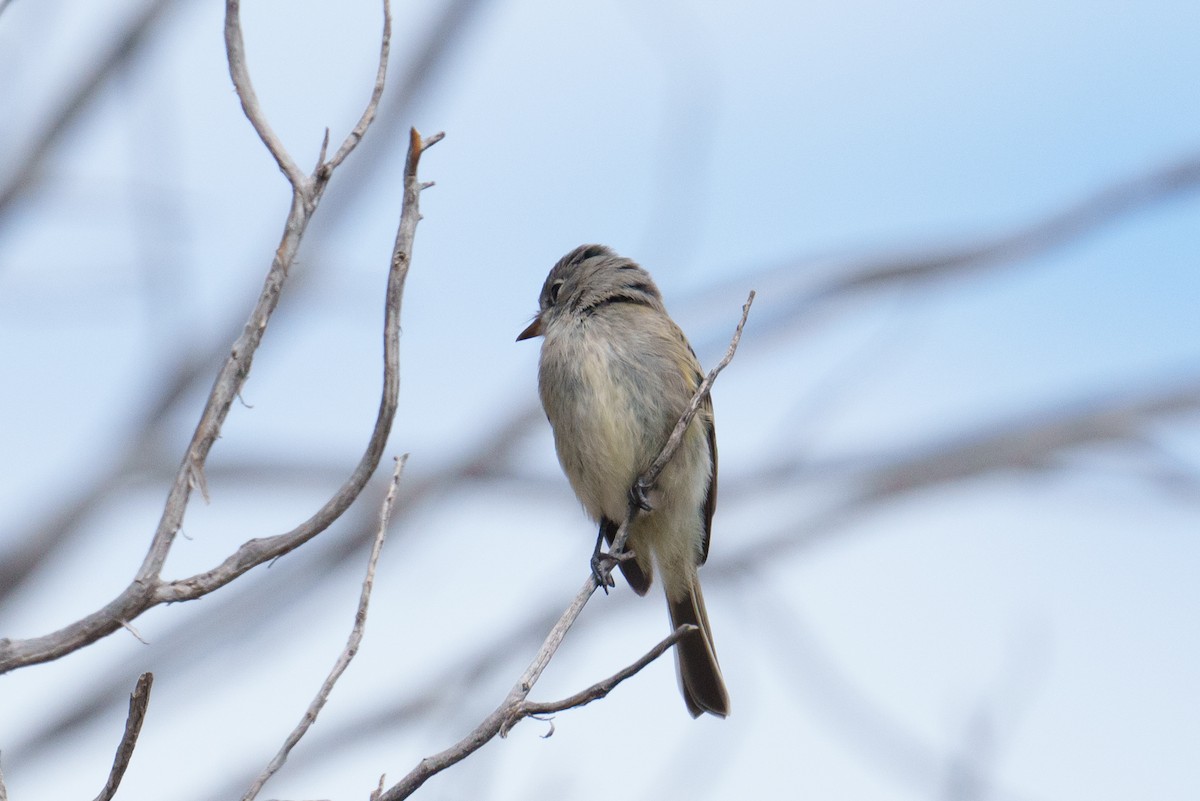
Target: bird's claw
602	565
639	494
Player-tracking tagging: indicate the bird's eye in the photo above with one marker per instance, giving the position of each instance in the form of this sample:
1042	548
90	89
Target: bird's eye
552	293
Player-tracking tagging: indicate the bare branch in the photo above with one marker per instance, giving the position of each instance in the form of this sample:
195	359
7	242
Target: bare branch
133	727
235	49
348	653
499	721
601	688
325	169
502	718
255	552
148	589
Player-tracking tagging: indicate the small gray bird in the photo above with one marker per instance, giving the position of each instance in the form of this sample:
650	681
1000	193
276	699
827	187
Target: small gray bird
615	376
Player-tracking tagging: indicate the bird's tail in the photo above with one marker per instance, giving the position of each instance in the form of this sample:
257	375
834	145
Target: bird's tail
696	658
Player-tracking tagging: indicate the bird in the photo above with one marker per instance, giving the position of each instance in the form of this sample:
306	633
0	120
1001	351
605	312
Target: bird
615	375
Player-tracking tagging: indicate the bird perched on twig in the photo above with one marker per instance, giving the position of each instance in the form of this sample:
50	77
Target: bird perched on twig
615	376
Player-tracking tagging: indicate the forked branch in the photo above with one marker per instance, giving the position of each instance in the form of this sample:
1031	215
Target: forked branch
148	588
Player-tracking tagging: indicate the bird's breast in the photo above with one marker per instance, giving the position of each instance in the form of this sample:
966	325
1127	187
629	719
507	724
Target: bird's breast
600	400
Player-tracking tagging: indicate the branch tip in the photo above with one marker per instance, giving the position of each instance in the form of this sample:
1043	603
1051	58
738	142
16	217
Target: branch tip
139	699
322	170
433	140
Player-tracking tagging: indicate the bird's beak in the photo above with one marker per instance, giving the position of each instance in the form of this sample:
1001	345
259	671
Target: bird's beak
534	329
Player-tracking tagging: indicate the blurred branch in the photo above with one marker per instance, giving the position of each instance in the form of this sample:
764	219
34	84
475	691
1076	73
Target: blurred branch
356	635
124	45
447	31
495	723
887	742
1075	220
837	278
1030	442
133	727
142	458
508	713
188	643
968	771
1104	207
148	589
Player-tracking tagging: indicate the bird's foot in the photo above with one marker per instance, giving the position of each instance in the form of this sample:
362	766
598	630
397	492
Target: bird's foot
602	565
639	496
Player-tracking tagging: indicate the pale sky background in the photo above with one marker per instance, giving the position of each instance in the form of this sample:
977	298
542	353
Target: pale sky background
1038	625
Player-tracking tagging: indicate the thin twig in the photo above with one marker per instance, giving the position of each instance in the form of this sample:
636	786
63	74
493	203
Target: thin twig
348	653
501	719
325	169
601	688
130	628
648	479
133	727
443	39
235	49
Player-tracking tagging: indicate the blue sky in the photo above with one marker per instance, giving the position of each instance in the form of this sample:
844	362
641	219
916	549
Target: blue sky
1041	621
